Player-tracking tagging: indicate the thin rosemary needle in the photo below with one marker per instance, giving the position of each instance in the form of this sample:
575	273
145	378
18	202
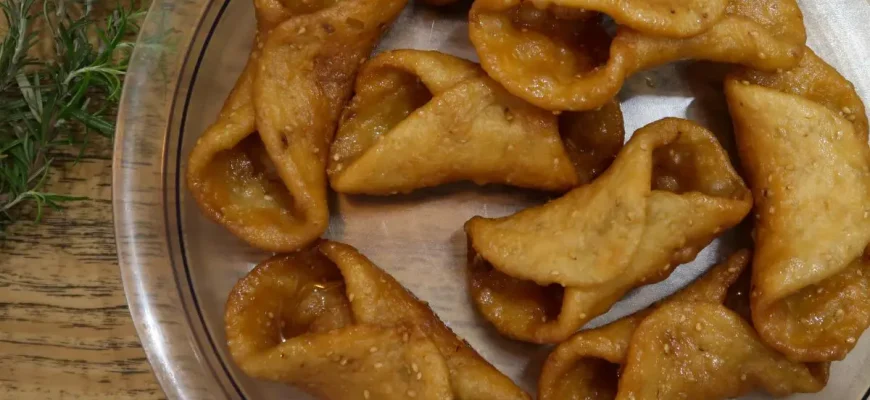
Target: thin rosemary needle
51	106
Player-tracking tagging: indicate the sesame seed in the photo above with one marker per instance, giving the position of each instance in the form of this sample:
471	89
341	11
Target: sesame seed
762	56
859	273
343	361
366	394
414	367
682	318
268	323
753	33
405	337
643	146
667	348
698	327
772	210
335	157
840	313
745	82
554	273
582	315
850	340
544	318
281	355
419	376
820	290
557	112
350	297
732	269
373	349
271	315
847	110
301	30
666	267
412	393
378	365
851	117
743	377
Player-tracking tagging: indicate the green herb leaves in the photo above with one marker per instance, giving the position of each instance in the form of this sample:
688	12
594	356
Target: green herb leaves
51	105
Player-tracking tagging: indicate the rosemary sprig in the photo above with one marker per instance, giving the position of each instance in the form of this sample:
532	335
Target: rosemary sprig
52	105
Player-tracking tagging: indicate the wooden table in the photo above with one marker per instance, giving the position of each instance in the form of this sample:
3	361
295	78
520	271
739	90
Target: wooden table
65	331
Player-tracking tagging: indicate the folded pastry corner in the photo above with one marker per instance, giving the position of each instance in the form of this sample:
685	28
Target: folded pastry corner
689	346
586	366
706	351
542	273
259	170
806	156
330	322
424	118
669	18
560	63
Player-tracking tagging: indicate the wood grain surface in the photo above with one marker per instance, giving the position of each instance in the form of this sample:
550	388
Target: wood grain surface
65	331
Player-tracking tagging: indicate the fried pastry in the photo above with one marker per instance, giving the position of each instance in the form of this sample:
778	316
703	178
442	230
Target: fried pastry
586	365
806	156
815	80
259	170
563	64
670	18
542	273
424	118
330	322
701	350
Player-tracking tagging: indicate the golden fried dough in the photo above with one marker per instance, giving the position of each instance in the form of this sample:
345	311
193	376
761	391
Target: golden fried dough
809	168
560	64
699	350
586	365
333	324
816	80
423	118
270	188
542	273
672	18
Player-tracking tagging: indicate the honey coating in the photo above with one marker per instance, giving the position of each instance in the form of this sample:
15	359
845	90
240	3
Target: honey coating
540	274
586	366
706	351
259	170
670	18
423	118
563	64
328	321
806	156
